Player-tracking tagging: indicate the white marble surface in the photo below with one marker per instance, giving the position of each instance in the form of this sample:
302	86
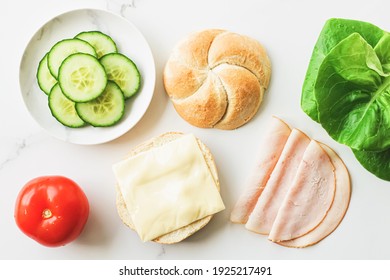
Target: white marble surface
288	29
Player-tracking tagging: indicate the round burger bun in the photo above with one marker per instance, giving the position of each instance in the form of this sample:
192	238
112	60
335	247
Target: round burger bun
216	78
184	232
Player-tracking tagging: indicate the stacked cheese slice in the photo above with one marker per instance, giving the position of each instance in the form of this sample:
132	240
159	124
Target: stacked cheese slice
168	187
299	191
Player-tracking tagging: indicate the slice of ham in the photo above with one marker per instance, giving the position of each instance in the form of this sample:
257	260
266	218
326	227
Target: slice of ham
275	138
336	212
264	213
309	198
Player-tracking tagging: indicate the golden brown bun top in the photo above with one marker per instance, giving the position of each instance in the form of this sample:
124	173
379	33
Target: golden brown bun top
216	78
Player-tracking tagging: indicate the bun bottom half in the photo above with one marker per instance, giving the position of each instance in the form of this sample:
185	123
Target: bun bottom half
181	233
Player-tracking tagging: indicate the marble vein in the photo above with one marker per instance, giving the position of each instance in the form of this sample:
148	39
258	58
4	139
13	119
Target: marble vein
18	147
120	6
162	252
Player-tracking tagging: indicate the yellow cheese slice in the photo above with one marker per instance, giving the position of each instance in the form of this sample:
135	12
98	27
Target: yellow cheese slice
167	187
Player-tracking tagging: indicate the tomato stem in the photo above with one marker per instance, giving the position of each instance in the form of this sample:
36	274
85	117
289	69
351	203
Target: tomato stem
46	214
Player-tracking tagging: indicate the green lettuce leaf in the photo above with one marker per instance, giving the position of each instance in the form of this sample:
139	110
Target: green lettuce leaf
382	50
334	31
377	163
353	95
347	90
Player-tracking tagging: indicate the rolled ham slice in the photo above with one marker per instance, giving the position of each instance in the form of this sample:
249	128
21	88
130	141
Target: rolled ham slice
309	198
264	213
271	148
337	210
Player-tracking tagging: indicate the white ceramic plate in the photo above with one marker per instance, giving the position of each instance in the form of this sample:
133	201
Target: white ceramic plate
129	41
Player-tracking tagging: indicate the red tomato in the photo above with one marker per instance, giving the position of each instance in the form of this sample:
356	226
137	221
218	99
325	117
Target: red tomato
52	210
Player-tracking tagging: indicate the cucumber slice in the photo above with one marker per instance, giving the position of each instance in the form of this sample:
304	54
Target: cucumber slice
82	77
106	110
102	43
63	49
45	79
123	71
63	109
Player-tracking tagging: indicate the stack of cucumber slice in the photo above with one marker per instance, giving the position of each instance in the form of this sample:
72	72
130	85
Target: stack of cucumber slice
87	80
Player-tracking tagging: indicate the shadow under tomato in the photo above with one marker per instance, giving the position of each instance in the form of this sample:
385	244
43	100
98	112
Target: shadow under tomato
95	233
